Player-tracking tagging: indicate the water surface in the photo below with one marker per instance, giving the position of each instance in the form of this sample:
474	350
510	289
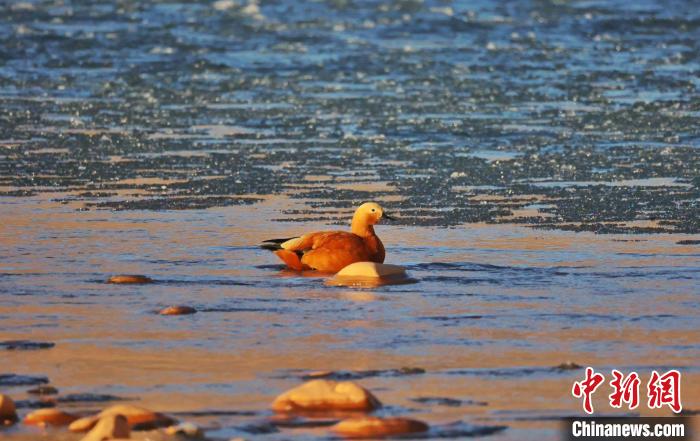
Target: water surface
542	158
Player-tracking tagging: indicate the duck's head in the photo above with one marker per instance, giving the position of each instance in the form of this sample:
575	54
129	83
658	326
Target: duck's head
370	213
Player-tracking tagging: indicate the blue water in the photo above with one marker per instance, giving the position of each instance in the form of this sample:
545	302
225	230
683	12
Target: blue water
169	138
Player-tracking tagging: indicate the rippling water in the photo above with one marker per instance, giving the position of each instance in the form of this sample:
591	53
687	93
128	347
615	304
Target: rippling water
170	138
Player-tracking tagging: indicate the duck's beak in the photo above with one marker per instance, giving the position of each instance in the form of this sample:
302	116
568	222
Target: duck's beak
387	217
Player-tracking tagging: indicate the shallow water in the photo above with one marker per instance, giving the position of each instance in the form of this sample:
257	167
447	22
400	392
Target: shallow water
169	138
495	310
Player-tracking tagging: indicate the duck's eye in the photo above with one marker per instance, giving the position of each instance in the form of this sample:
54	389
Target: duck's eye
373	210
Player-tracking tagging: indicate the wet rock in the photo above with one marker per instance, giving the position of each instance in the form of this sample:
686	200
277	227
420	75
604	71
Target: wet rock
326	395
375	427
187	430
130	279
8	413
108	427
43	390
318	374
178	310
49	417
370	274
21	380
568	366
138	418
371	269
25	345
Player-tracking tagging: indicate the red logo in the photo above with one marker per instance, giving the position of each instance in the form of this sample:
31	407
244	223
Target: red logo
587	387
626	390
665	390
662	390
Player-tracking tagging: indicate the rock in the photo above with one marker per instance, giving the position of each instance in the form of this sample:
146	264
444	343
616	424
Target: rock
8	413
375	427
138	418
568	366
177	310
108	427
43	390
370	274
326	395
188	430
49	417
126	278
371	269
317	374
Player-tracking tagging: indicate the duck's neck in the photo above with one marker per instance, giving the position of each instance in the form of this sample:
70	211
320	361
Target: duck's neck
361	228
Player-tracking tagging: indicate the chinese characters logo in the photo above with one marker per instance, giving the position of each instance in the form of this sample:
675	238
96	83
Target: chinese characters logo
662	390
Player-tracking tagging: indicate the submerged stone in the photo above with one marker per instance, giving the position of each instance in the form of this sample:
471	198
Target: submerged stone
178	310
187	430
568	366
326	395
49	417
43	390
375	427
109	427
139	418
8	412
130	279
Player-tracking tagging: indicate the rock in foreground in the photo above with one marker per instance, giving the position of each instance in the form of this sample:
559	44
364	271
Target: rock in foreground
326	395
8	412
109	427
371	269
137	417
370	274
130	279
49	417
375	427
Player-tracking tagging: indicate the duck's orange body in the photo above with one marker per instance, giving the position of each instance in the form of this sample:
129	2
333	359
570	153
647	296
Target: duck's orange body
331	251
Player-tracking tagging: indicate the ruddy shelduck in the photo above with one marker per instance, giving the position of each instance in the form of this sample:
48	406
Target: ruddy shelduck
331	251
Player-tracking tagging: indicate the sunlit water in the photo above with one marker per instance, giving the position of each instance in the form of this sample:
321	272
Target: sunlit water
496	308
168	139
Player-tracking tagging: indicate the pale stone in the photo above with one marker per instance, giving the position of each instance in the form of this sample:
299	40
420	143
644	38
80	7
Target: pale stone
375	427
108	427
326	395
135	415
49	417
8	412
371	269
188	430
177	310
130	278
